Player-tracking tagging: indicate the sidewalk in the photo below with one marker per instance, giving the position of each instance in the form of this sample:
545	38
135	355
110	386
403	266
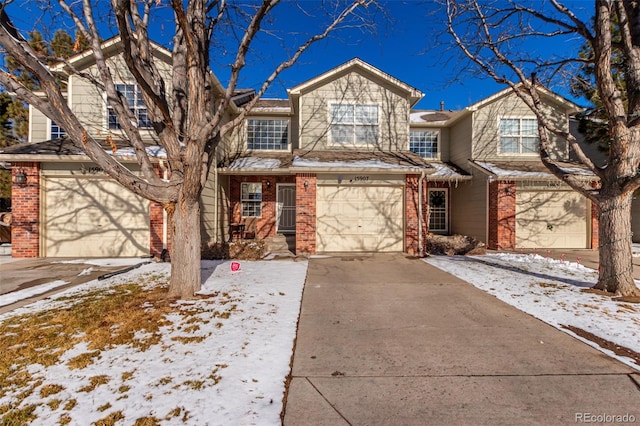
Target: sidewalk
383	339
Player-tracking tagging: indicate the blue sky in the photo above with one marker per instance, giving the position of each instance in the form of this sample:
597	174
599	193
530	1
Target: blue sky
404	45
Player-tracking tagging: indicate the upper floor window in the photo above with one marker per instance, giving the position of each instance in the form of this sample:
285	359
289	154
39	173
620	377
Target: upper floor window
424	143
519	136
57	131
355	124
267	134
133	95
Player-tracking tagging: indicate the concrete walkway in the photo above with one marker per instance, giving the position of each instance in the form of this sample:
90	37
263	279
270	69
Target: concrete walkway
387	340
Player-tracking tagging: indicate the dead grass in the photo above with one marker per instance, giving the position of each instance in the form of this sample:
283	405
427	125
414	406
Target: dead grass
130	314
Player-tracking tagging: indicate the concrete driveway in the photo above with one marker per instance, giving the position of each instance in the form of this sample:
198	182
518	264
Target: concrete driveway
388	340
22	274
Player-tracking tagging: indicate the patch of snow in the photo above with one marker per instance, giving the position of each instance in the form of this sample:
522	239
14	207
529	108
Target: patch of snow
255	163
553	291
442	170
16	296
377	164
234	373
521	173
152	151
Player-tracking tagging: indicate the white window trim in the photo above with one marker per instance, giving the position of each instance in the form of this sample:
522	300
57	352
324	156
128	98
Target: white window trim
516	154
246	133
438	142
330	142
49	124
242	200
107	107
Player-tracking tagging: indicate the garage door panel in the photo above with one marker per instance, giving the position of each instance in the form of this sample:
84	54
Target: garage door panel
551	219
94	218
360	218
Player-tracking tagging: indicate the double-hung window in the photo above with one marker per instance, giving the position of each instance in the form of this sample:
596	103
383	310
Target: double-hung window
133	95
354	124
57	131
424	143
267	134
251	199
519	136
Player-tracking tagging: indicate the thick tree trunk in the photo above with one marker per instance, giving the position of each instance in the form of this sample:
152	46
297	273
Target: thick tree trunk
185	249
616	266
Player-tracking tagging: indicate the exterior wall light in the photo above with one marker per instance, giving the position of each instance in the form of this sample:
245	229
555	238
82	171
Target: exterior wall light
306	185
20	178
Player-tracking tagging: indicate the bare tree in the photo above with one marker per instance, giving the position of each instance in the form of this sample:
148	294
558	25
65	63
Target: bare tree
491	36
191	118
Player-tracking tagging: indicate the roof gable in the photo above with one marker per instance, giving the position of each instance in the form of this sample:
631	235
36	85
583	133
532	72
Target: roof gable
362	67
110	48
544	92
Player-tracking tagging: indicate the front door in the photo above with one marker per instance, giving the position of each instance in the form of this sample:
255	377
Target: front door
286	208
438	210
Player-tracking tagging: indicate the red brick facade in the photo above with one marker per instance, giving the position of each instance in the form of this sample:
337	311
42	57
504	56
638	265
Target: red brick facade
156	229
502	215
412	202
265	225
306	213
25	220
595	235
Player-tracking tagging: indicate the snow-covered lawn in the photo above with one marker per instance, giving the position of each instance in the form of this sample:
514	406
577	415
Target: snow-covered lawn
222	359
553	291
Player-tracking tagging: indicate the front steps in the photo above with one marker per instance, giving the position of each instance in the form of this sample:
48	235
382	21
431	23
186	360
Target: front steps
282	245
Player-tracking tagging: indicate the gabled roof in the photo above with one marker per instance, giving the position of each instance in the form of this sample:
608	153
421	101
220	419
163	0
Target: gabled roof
67	149
360	65
573	107
110	47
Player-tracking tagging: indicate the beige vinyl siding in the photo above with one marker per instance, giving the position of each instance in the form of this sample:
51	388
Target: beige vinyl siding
89	103
208	210
38	126
469	207
460	137
354	88
486	129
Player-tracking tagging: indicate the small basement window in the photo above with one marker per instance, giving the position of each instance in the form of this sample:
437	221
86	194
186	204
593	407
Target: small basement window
251	199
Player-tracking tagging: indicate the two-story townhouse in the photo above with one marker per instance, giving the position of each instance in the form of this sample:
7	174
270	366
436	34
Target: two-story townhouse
64	204
343	164
513	201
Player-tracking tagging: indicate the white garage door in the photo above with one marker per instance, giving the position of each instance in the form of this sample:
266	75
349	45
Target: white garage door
360	218
551	219
93	218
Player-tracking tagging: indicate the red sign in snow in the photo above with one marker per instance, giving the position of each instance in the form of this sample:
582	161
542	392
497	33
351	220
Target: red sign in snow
235	266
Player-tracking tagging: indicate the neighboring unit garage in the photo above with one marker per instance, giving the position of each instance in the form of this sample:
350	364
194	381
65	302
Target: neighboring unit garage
92	217
545	218
360	215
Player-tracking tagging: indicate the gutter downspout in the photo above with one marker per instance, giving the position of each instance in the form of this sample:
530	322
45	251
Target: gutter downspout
420	244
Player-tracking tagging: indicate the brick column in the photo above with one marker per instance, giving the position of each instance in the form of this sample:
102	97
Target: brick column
502	215
306	213
595	231
25	211
156	225
412	202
